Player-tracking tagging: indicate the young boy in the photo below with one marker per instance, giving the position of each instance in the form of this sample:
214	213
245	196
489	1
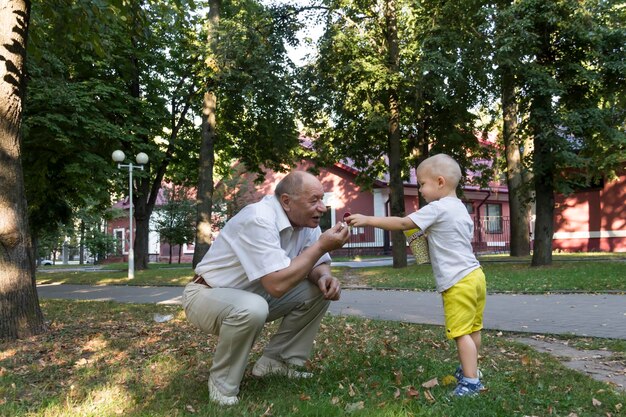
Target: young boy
458	275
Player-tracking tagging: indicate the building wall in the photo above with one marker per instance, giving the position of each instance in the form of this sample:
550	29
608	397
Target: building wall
592	220
342	195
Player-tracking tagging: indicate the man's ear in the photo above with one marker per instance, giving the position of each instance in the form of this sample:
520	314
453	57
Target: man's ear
285	199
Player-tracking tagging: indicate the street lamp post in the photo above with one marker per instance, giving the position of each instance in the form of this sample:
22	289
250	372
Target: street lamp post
142	159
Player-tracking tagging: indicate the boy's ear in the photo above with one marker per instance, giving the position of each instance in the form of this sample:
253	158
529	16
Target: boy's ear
441	181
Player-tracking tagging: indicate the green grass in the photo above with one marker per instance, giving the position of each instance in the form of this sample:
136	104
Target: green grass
117	274
603	273
109	359
584	276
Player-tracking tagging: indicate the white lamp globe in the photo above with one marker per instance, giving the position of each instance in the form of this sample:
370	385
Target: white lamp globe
118	156
142	158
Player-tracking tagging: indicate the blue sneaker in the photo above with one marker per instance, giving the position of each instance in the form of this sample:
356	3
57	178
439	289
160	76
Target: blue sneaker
467	389
458	374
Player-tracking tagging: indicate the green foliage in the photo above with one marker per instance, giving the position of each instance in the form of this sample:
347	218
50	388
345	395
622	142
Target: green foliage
252	81
570	64
440	79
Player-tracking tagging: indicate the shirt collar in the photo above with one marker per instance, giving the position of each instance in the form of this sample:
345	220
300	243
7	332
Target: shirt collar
282	221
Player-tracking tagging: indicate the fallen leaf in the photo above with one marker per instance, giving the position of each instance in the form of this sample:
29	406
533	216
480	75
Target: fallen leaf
412	392
334	400
268	412
304	397
81	362
431	383
398	375
351	408
429	397
190	409
595	402
351	391
618	407
397	393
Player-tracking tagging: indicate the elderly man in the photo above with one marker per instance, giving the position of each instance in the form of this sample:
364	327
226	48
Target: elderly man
270	261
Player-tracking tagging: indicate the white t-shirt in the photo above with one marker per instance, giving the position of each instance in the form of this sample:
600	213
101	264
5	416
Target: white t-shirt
449	229
255	242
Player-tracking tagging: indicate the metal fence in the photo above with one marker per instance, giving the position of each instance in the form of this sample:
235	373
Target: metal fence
491	235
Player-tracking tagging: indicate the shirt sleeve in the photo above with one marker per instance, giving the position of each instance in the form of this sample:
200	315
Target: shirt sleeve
426	216
258	248
313	237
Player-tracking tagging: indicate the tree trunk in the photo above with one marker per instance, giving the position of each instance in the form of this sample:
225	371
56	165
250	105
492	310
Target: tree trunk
207	146
519	198
545	142
20	314
81	244
396	186
544	171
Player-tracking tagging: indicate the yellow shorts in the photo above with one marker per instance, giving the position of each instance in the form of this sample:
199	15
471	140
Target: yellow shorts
464	303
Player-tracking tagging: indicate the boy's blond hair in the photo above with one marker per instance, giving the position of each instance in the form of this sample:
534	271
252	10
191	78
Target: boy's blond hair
442	165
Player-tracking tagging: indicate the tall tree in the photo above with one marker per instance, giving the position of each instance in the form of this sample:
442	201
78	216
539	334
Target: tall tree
20	314
394	135
73	113
247	111
395	80
571	74
207	140
162	69
508	42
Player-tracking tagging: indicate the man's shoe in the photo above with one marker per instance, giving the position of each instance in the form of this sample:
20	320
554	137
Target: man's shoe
467	389
217	397
458	374
268	366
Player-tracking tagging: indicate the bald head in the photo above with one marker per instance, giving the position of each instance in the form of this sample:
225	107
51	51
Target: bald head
294	183
442	165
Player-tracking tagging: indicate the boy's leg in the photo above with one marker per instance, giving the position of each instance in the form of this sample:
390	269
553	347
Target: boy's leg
476	337
463	307
468	355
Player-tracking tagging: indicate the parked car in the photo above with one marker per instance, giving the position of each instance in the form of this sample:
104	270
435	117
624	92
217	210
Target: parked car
46	262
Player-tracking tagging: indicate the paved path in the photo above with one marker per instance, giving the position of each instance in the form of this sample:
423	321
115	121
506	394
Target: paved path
602	315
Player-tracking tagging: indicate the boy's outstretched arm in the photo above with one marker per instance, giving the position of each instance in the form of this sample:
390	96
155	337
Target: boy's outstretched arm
387	223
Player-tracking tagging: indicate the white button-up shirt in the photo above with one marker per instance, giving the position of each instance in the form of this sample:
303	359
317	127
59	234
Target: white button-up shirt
257	241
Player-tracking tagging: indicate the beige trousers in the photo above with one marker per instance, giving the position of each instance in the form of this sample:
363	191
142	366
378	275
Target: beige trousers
238	316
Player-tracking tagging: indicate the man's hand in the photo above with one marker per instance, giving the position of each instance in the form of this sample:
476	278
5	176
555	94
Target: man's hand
335	237
330	287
